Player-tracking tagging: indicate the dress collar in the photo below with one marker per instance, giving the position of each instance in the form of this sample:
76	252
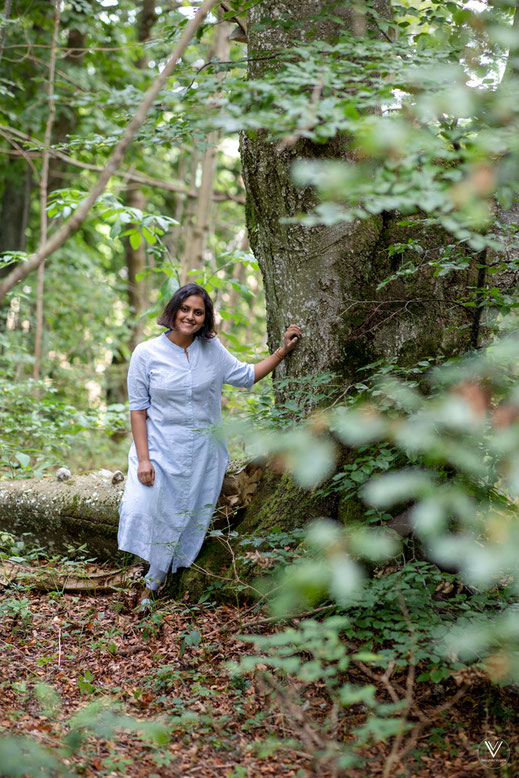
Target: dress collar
175	346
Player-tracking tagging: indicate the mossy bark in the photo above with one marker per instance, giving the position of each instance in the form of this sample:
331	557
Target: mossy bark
57	514
278	506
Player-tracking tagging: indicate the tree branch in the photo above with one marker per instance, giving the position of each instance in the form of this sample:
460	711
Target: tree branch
138	178
21	271
20	152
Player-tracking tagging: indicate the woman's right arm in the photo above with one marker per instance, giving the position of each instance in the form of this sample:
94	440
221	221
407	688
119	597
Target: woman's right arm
145	470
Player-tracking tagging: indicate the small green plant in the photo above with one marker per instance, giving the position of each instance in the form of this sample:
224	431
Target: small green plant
86	684
192	638
165	678
18	610
37	434
151	625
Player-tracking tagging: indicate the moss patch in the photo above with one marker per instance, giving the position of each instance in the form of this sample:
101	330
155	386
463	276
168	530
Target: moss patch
278	505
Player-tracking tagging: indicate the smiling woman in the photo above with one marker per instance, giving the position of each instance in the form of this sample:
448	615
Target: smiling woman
175	466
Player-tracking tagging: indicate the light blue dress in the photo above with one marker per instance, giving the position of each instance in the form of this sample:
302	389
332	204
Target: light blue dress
166	523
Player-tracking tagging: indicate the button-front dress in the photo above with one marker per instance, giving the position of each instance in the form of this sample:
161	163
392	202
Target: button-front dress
166	523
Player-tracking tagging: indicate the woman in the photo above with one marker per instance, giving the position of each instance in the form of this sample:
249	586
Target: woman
176	467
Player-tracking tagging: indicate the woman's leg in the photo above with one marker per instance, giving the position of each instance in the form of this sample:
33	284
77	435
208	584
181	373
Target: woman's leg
154	578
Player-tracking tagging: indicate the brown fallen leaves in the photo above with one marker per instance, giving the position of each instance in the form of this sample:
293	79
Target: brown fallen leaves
95	648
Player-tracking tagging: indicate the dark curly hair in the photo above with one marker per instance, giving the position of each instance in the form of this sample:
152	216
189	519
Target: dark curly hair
169	314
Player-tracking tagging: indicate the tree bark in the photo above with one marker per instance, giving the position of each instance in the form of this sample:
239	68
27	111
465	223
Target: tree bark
135	263
137	288
234	294
67	117
188	214
136	258
325	278
14	208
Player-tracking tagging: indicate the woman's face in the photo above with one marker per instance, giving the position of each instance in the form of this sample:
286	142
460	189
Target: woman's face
190	316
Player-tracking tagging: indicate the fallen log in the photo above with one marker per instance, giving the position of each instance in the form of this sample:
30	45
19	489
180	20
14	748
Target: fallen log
56	577
83	510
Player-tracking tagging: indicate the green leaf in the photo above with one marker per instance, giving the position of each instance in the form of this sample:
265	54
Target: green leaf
149	236
438	674
346	577
194	638
135	239
23	459
115	229
349	694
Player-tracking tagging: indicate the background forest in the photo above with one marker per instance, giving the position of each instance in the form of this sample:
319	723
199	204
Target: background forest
351	167
175	213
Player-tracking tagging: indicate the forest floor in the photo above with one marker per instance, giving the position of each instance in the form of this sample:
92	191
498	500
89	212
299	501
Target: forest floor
61	654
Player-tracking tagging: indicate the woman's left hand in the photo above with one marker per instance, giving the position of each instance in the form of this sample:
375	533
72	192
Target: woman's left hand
291	337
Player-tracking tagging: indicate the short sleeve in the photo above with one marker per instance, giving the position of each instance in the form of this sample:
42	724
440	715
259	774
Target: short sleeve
235	372
138	382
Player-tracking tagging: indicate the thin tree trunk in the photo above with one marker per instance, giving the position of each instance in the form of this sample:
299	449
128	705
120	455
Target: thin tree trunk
234	294
3	32
173	238
66	121
14	208
136	287
22	240
145	21
43	195
115	159
200	230
189	215
136	258
135	263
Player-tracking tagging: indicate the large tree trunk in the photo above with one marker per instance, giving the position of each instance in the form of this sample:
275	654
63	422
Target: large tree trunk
325	278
